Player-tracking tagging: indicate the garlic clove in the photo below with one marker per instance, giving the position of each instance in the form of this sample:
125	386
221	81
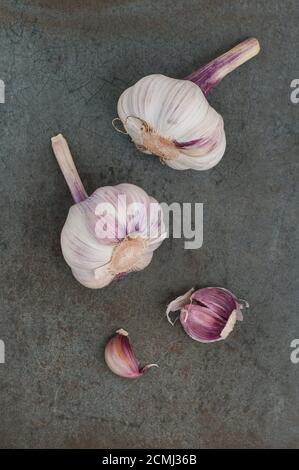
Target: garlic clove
200	325
216	298
120	357
208	314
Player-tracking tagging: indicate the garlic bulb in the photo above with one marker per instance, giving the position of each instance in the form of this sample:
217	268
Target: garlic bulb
172	118
110	233
208	314
120	357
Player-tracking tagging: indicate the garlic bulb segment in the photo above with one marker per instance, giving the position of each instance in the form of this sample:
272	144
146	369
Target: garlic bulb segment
208	314
110	233
172	118
121	359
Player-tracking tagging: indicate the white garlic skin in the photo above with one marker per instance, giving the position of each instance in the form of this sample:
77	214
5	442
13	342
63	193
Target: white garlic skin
89	256
176	110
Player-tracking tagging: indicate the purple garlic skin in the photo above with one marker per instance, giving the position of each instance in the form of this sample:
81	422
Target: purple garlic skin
208	314
209	75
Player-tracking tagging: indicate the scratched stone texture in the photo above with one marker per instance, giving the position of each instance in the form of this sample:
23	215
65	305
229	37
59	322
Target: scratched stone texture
65	64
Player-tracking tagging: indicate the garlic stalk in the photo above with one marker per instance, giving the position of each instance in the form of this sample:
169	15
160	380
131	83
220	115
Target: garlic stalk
208	76
110	233
121	359
172	118
208	314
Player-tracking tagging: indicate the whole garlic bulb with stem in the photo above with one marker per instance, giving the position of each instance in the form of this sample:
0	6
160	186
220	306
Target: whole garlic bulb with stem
110	233
172	118
208	314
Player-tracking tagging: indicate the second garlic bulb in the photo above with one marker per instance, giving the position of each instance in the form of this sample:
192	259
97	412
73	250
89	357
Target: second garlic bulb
100	246
110	233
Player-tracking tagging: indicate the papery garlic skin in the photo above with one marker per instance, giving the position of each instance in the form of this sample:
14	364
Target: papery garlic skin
208	314
178	112
121	359
172	118
110	233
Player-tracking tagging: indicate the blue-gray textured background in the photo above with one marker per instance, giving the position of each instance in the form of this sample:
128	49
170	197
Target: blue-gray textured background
65	64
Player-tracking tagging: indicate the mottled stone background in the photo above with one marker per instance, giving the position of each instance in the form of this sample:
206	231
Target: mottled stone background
64	64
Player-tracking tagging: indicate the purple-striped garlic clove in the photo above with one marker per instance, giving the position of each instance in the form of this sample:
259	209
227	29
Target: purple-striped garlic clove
121	359
208	314
172	118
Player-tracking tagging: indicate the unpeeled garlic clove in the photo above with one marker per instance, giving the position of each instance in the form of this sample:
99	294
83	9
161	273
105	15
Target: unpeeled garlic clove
208	314
120	357
102	239
172	118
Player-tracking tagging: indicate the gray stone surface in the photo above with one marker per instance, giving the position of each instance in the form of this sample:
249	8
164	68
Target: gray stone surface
64	64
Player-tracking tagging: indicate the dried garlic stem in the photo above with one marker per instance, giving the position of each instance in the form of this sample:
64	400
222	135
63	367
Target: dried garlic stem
208	76
67	166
